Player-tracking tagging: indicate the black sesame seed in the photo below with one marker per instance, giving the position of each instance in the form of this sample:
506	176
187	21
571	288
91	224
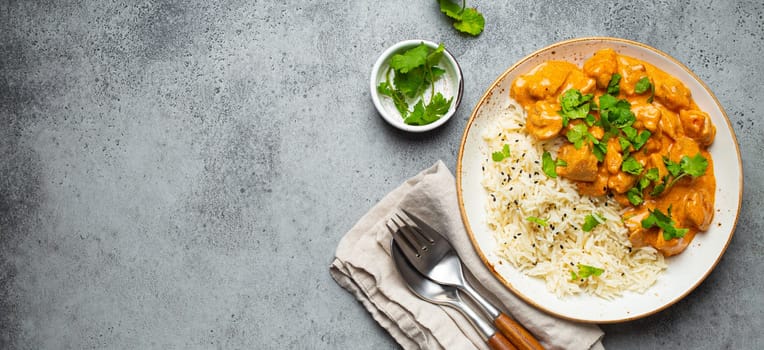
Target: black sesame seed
561	247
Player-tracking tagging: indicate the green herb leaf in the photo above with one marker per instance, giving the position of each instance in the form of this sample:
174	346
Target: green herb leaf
586	271
652	174
695	166
577	135
574	105
472	22
631	166
548	165
501	155
410	59
591	221
663	221
537	221
467	20
641	139
613	87
451	9
642	85
417	116
634	195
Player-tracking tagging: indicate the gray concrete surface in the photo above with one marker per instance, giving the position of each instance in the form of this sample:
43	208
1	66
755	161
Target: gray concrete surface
178	174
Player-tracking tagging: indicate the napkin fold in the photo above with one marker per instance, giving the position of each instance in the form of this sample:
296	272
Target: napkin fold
364	267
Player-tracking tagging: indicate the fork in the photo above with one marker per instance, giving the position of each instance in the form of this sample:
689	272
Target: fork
434	257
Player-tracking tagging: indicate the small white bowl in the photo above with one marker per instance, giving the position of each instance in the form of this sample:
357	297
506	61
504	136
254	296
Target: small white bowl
449	84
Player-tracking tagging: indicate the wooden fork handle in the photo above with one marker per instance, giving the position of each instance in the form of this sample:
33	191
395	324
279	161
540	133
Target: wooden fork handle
516	333
498	342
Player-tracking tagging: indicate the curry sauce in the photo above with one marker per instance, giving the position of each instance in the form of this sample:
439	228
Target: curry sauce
634	131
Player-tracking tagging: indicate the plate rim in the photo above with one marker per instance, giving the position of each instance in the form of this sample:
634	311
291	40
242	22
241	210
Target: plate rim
458	174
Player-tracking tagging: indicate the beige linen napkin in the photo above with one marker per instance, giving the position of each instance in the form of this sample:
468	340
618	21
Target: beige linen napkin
363	266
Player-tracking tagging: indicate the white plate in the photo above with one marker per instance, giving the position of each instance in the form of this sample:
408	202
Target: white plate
685	271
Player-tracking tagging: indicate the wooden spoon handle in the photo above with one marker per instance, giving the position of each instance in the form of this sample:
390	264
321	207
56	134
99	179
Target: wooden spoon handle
516	333
498	342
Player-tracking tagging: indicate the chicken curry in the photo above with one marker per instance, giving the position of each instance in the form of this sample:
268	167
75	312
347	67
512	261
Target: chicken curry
634	133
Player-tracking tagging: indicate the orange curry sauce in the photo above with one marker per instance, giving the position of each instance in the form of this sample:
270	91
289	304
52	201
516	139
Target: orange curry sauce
678	128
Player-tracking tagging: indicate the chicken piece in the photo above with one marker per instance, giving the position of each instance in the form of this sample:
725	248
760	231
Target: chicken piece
697	125
577	80
613	157
699	208
582	164
670	124
601	67
621	182
633	222
684	146
673	246
656	161
669	90
543	122
647	115
542	82
631	71
596	188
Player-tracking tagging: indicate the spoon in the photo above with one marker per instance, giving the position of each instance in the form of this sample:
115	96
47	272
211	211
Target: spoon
447	295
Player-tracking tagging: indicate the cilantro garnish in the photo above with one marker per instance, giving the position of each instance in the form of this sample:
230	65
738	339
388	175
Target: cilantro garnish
578	134
501	155
613	87
642	86
585	271
574	105
466	20
663	221
548	165
591	221
632	166
694	166
537	221
415	70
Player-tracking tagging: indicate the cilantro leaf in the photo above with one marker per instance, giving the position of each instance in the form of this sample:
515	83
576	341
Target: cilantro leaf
641	139
417	116
574	105
652	174
451	9
586	271
537	221
548	165
631	165
591	221
613	87
577	135
472	22
695	166
643	85
634	195
664	222
410	59
412	83
466	20
501	155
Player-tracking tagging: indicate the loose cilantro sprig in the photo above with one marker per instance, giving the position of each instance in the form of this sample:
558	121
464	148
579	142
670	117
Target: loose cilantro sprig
466	20
415	70
549	165
501	155
591	221
664	221
585	271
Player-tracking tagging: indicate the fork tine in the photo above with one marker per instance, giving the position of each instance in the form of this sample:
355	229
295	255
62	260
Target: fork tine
424	229
416	233
408	247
